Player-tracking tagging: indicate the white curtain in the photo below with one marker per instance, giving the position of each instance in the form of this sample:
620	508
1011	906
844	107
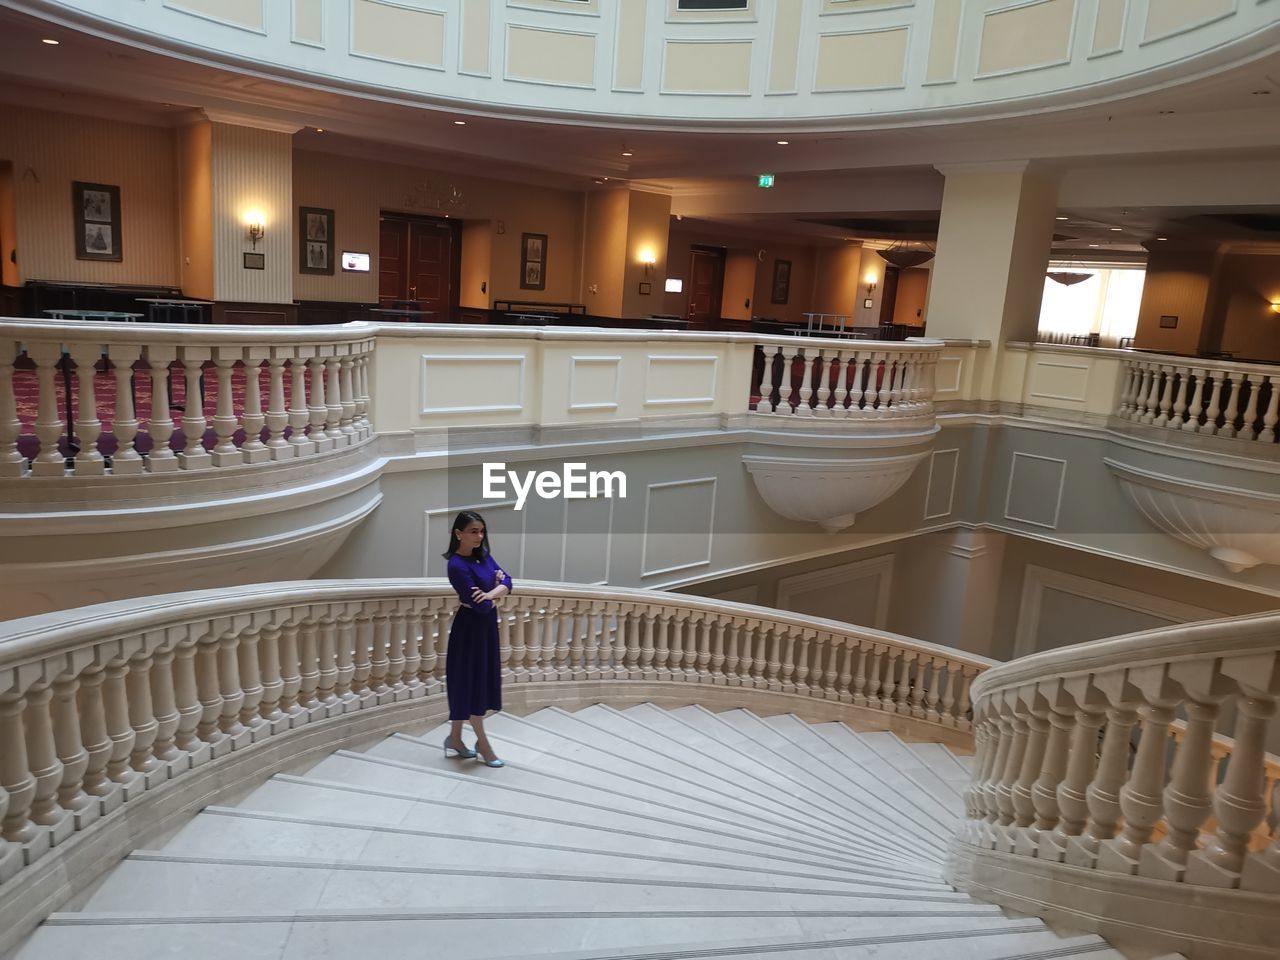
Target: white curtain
1106	304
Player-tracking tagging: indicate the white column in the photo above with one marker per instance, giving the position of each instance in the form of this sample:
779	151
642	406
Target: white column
12	463
253	450
124	425
333	402
225	421
299	415
161	458
194	424
277	418
316	406
49	424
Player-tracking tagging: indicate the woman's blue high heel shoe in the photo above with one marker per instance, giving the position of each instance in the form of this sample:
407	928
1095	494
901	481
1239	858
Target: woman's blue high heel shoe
495	762
464	753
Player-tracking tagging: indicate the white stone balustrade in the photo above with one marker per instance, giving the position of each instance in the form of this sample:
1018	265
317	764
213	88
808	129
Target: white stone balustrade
71	377
1162	796
170	683
843	380
1212	397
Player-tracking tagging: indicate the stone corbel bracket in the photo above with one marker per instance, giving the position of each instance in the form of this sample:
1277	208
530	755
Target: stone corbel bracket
1239	528
830	493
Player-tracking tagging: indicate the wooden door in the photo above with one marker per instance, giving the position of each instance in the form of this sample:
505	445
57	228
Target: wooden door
706	284
419	262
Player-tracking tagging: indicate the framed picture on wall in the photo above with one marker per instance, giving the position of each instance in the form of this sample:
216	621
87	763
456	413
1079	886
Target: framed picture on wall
533	261
315	240
781	281
97	218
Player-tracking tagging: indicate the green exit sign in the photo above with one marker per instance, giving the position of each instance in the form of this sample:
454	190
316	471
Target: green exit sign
764	181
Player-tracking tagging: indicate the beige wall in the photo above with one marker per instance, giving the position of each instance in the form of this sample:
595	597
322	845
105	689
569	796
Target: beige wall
8	227
195	209
1177	284
801	294
359	190
49	151
477	257
604	251
913	285
836	279
648	228
738	300
1247	285
252	172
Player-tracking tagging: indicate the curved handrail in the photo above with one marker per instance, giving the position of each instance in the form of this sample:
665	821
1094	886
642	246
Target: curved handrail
100	704
1041	786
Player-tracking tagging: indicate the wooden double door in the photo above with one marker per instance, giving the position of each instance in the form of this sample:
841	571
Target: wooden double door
419	264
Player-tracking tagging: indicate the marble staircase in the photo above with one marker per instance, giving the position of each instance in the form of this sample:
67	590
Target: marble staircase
637	833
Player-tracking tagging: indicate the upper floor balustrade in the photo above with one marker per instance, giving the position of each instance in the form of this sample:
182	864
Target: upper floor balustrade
111	399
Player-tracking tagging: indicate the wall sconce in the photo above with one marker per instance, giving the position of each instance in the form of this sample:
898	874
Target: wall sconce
648	257
1275	306
870	281
256	226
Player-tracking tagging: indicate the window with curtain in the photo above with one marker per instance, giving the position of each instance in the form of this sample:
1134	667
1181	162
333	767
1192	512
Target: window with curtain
1105	303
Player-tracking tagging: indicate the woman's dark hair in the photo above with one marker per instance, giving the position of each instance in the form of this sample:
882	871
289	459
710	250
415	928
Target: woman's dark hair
461	522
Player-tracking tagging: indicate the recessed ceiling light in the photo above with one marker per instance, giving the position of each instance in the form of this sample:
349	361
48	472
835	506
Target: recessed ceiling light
1115	229
1093	244
319	129
459	123
52	43
1162	238
1062	218
627	153
783	143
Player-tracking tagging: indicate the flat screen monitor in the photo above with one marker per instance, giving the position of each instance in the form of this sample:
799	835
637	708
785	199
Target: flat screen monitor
355	262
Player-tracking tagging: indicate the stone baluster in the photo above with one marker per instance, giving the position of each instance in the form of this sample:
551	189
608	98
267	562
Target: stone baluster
1249	420
598	653
988	802
366	361
345	641
225	421
253	450
12	463
1140	392
126	461
1232	410
411	679
837	652
161	458
71	753
250	670
1166	396
115	704
842	383
231	690
97	742
867	382
1140	798
844	681
1262	867
1073	801
396	662
347	398
806	384
277	418
1008	815
873	677
661	651
1239	803
299	412
143	720
563	627
1044	792
333	402
186	694
10	853
799	680
535	635
1272	416
1215	404
733	660
981	753
918	686
859	689
822	394
789	355
787	661
773	662
760	656
1151	408
933	691
17	781
1103	795
1126	391
962	700
48	427
1188	796
1195	407
379	657
889	687
516	636
762	388
88	461
703	659
317	408
290	665
193	455
883	372
1036	717
362	662
946	710
44	765
209	690
272	681
1178	417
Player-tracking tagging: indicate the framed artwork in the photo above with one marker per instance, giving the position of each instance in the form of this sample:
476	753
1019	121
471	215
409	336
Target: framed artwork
315	240
97	218
533	261
781	281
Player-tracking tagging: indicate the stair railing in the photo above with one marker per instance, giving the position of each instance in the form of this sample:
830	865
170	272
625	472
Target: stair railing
102	705
1055	778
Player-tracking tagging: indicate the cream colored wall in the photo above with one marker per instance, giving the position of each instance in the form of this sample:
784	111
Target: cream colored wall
8	227
835	285
1247	285
195	209
1177	284
252	172
48	151
648	228
604	251
359	190
913	285
800	300
477	258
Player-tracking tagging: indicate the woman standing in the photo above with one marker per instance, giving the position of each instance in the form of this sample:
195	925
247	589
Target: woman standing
473	665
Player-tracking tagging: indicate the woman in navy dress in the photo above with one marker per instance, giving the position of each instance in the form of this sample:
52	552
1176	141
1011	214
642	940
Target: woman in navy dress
473	665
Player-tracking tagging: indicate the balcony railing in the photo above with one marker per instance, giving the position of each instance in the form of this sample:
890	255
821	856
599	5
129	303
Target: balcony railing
875	381
175	397
1214	397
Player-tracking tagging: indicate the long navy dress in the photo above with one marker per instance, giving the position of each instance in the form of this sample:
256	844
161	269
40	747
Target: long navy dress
472	663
